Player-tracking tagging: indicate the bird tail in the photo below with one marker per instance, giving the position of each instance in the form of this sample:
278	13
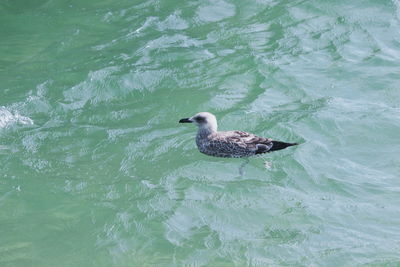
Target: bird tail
277	145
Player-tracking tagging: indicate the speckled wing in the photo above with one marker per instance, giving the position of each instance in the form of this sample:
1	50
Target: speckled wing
240	144
259	144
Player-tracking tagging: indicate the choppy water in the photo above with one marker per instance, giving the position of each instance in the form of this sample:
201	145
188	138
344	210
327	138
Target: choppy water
96	171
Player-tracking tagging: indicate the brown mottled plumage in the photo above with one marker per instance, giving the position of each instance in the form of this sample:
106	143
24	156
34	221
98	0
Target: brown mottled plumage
231	144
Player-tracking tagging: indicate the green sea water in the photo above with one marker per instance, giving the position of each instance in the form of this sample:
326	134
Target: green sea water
96	171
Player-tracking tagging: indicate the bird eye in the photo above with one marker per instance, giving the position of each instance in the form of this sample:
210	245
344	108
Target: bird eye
200	119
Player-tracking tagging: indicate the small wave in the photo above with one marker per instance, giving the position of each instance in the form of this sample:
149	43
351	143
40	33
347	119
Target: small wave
8	118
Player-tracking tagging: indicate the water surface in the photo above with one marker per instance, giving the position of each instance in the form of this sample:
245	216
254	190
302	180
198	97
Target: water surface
96	171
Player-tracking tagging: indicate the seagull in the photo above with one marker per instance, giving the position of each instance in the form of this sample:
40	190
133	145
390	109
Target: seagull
231	144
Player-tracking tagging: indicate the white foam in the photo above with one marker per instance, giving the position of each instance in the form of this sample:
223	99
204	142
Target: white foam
8	118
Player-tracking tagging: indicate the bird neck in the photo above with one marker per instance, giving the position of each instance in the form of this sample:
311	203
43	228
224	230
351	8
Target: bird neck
206	130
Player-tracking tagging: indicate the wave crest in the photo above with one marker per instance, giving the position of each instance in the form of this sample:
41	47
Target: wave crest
8	118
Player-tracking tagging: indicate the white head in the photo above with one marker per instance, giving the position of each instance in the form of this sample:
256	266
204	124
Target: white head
204	120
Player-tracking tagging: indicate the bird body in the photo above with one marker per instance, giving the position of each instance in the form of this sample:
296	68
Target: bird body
230	144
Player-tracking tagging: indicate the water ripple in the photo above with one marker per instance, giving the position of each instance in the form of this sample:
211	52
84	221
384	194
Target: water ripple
8	118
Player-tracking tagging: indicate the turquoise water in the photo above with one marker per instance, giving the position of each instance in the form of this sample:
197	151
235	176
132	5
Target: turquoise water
96	171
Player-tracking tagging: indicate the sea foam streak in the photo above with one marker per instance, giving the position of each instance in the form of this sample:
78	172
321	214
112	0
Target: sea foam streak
8	118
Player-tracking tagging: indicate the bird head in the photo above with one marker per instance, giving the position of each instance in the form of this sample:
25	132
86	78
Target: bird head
203	120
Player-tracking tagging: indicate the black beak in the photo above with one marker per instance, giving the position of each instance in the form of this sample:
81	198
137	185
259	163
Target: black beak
185	120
